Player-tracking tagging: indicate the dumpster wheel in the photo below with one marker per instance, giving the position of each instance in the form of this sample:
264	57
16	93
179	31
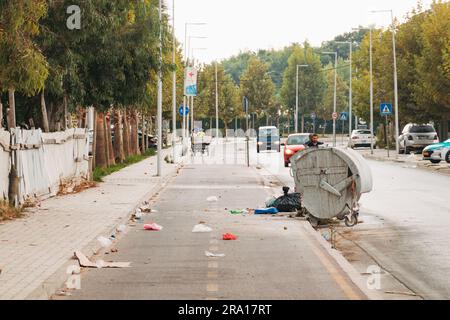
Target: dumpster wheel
352	221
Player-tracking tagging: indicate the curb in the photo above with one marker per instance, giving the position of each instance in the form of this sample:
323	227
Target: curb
56	281
354	275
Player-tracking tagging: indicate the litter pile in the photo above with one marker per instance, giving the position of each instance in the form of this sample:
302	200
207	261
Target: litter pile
289	202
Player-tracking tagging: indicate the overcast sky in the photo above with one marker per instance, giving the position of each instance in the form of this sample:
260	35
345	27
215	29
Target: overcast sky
237	25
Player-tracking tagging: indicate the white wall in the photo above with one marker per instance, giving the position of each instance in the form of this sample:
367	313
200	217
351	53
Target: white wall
45	161
4	164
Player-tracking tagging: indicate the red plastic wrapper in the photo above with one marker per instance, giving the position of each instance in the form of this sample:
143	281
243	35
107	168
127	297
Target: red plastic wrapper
229	236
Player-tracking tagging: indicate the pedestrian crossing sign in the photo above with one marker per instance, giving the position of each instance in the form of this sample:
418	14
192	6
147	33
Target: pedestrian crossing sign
386	109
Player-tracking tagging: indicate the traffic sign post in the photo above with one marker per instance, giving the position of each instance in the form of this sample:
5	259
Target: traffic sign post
183	112
386	111
313	118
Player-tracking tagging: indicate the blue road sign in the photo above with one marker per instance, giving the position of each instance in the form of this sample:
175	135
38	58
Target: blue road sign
386	109
181	111
344	116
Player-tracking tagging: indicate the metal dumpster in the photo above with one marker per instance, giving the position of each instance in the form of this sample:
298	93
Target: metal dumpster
331	182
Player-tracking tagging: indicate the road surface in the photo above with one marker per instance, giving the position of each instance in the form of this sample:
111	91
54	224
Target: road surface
273	257
406	224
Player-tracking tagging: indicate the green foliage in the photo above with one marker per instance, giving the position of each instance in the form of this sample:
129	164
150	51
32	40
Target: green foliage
23	67
311	80
258	87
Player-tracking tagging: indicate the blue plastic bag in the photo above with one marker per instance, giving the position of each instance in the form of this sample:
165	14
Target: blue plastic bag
267	211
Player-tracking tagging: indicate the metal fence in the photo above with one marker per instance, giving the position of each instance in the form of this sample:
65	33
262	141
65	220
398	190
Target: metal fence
44	161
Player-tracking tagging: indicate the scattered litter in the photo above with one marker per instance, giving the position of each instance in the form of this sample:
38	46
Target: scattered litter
138	215
229	236
145	209
243	211
267	211
86	263
152	227
201	228
258	167
285	228
114	250
214	255
64	293
289	202
104	242
270	202
212	199
122	228
411	294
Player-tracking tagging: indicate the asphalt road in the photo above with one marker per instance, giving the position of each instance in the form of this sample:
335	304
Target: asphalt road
273	257
406	224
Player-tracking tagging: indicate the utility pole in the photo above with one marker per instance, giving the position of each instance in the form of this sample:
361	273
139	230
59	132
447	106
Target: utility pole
217	104
174	88
397	128
159	111
335	94
297	99
350	94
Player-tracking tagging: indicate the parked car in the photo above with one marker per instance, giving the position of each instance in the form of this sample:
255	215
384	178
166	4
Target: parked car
437	152
361	138
268	139
152	141
415	137
294	144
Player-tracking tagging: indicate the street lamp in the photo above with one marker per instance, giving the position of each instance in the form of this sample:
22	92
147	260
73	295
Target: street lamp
187	24
159	103
192	99
296	99
397	129
174	88
335	94
189	45
371	86
350	95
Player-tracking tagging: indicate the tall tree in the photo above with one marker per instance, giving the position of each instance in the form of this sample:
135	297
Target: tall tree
311	81
258	87
23	67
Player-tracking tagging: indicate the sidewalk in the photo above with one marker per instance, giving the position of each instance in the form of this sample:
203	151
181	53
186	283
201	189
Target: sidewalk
412	160
36	250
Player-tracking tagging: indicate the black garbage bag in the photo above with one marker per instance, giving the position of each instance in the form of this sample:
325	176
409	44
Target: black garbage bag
289	202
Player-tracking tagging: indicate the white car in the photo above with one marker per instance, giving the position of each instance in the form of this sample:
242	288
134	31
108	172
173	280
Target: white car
361	139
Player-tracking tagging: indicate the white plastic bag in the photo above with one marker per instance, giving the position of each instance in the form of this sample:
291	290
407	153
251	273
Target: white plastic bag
104	242
214	255
212	199
201	228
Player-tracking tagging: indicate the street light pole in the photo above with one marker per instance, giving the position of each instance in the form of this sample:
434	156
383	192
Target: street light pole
371	85
335	94
159	111
217	104
296	98
174	88
350	94
397	128
186	56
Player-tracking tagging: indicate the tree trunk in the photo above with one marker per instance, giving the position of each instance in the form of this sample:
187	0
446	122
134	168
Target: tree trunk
94	142
45	125
101	160
133	136
66	113
443	128
136	132
118	137
11	113
126	134
1	114
144	135
111	156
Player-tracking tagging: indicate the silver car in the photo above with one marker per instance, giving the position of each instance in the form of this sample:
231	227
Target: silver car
415	137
